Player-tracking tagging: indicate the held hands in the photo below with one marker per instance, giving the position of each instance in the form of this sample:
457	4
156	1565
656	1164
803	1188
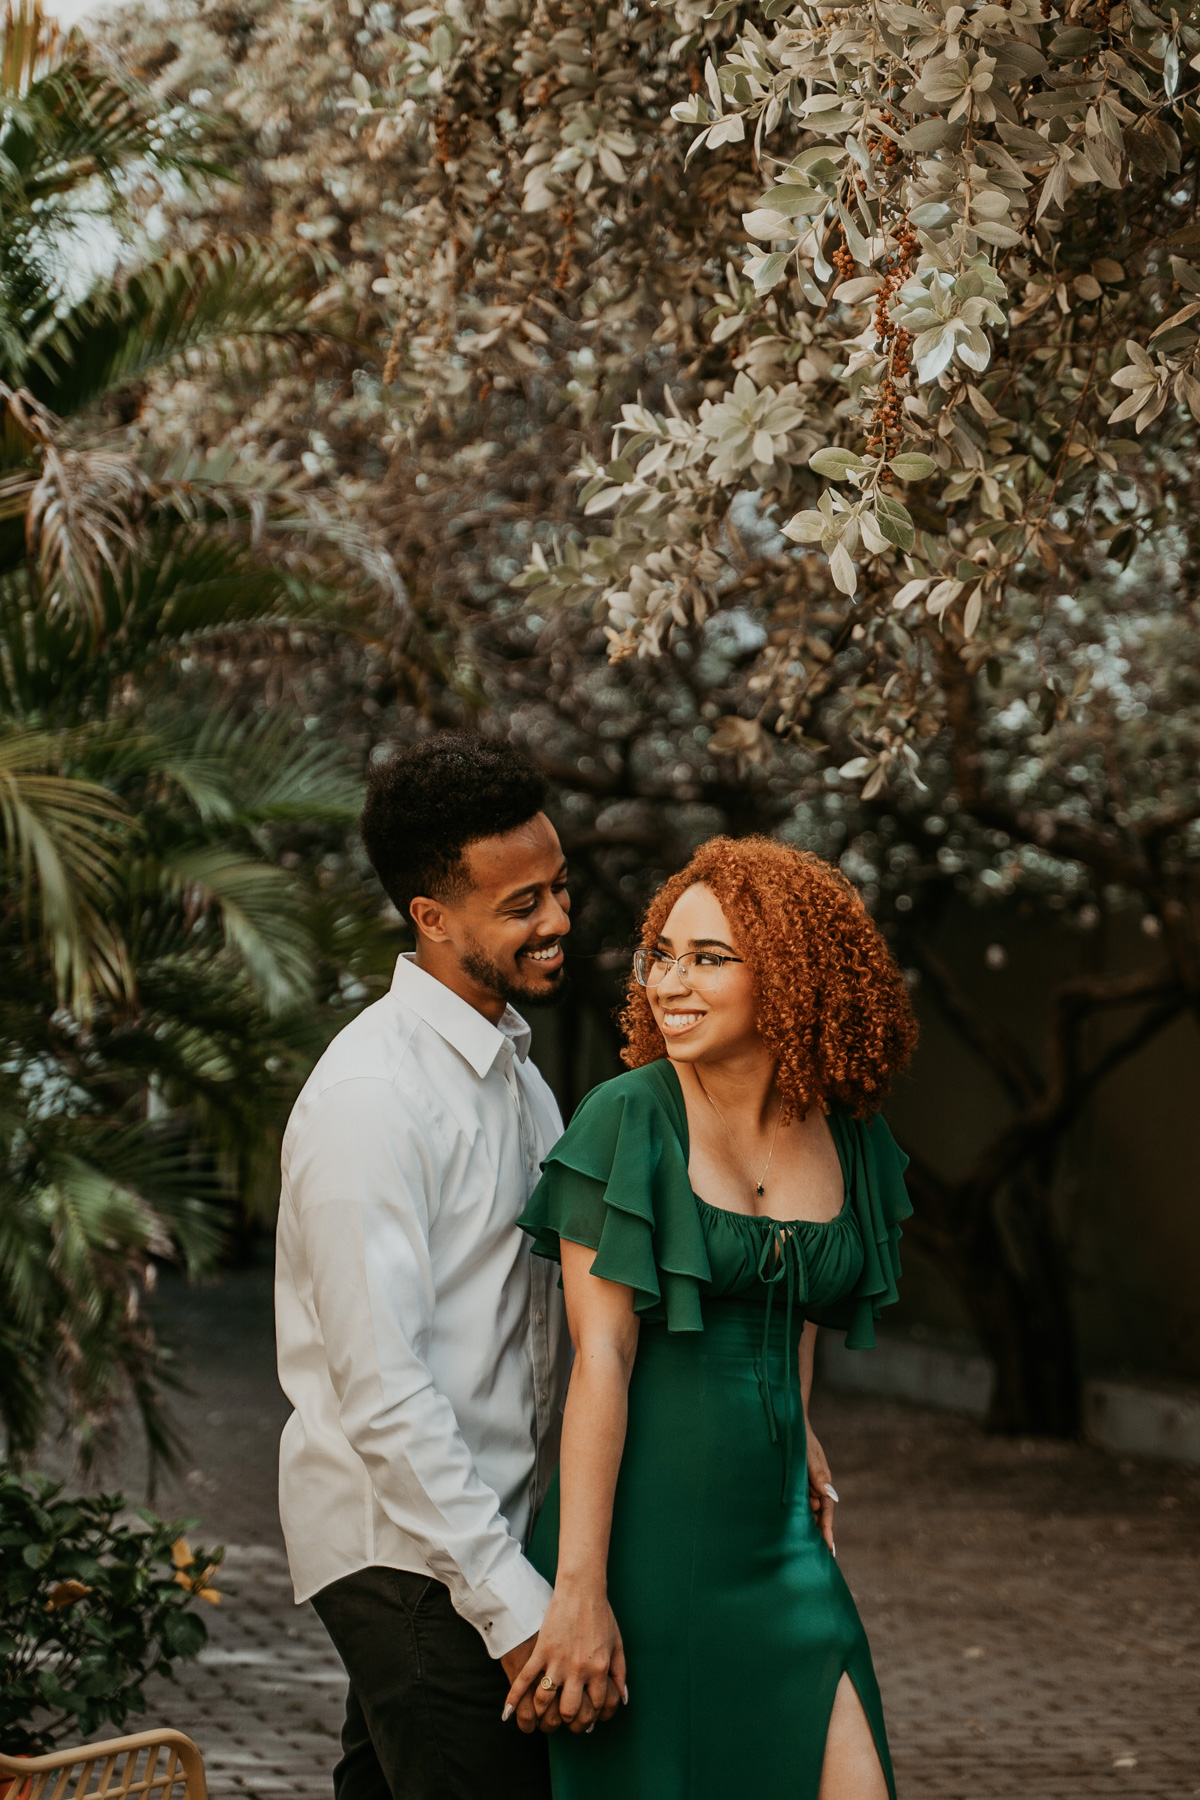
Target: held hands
579	1654
822	1495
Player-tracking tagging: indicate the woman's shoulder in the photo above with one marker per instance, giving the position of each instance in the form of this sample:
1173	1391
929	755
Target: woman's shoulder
654	1087
634	1114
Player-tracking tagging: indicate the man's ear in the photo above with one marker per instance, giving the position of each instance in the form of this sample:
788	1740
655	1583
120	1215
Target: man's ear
429	919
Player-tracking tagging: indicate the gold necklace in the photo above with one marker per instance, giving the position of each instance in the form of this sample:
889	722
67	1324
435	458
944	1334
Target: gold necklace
758	1185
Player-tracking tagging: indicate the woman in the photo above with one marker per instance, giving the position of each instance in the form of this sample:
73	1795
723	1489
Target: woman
710	1209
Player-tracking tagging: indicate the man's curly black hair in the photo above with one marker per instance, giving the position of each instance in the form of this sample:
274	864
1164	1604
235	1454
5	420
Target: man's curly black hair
428	802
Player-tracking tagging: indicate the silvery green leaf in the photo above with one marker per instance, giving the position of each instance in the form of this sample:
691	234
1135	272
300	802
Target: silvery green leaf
835	464
912	590
912	465
806	527
895	523
974	350
842	570
872	536
933	350
767	273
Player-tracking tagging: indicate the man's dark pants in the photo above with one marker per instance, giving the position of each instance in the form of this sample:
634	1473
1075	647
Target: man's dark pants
423	1712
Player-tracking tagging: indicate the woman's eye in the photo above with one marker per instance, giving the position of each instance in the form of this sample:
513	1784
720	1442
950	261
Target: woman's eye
705	960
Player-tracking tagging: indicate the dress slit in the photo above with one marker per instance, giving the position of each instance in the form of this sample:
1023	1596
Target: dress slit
874	1726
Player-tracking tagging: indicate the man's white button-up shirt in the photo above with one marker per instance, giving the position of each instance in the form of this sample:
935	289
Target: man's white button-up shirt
422	1346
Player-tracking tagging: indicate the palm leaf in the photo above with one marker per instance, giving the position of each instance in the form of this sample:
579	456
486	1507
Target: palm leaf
260	912
236	306
64	839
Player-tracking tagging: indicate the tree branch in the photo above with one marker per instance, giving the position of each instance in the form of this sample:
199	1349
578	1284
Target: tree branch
999	1049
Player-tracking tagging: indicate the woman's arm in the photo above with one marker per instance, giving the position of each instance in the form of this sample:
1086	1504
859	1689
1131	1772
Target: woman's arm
579	1644
822	1496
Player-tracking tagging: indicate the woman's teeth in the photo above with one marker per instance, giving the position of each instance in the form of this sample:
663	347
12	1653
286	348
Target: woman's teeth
680	1021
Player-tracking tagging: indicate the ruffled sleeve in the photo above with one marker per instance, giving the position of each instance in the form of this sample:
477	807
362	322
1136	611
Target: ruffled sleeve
617	1181
874	1166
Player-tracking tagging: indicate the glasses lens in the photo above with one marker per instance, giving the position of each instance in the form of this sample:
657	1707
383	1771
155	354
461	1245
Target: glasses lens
701	970
649	967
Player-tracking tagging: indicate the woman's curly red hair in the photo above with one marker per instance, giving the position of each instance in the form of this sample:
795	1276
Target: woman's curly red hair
831	1004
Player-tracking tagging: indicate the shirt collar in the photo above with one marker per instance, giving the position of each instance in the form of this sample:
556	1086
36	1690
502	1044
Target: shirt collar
476	1039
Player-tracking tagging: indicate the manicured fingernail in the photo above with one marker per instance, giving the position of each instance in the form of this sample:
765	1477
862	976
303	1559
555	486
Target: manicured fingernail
506	1715
833	1547
831	1491
589	1731
625	1695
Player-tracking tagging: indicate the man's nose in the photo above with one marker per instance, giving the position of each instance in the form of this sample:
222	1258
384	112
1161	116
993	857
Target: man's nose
556	920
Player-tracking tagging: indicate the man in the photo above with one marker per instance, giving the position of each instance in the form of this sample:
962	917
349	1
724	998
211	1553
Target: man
422	1347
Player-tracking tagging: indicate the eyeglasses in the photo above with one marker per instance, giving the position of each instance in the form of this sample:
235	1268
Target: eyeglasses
701	969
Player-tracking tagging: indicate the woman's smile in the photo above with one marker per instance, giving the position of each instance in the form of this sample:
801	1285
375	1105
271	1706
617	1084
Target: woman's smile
675	1021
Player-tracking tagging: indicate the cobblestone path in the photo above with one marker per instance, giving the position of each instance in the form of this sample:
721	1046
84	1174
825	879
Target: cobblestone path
1034	1608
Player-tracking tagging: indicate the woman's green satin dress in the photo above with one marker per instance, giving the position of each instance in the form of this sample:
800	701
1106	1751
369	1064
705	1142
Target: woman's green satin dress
736	1620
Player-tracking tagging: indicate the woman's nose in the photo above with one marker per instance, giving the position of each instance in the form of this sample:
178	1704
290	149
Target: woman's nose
672	983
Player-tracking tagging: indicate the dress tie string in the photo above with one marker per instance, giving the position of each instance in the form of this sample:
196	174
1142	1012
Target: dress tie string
781	1259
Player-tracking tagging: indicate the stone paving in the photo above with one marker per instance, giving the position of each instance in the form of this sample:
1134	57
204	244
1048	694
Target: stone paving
1034	1608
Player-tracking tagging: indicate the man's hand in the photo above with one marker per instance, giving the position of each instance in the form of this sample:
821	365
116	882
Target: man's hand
512	1662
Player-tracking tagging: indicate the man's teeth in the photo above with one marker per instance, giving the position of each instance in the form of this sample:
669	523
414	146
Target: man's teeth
682	1018
543	955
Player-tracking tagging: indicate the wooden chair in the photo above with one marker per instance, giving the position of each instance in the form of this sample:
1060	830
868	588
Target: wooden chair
150	1765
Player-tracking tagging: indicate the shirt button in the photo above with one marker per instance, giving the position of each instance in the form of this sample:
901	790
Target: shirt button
539	1318
543	1396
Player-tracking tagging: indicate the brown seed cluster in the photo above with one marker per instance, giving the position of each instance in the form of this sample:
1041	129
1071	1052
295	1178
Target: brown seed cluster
887	416
842	260
881	145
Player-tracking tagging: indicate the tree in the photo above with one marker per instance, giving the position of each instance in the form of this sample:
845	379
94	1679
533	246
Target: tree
895	673
166	976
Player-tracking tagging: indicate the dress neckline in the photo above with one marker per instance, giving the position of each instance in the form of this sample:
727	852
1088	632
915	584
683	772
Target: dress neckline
728	1212
672	1088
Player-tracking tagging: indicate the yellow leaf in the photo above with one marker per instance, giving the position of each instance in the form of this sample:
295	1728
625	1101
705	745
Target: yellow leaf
65	1593
181	1553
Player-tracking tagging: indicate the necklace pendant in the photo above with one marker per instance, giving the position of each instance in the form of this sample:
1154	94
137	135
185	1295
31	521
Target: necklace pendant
761	1189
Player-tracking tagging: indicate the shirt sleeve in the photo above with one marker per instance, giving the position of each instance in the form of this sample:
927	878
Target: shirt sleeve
361	1182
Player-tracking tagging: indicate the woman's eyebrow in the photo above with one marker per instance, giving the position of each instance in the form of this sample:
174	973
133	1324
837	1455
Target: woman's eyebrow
710	944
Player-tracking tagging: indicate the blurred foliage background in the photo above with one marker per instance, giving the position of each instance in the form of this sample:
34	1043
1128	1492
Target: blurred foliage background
337	333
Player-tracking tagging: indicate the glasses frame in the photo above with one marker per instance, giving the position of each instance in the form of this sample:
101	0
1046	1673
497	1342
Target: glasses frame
643	958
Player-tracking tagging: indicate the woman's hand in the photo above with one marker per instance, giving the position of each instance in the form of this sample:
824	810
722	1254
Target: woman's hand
579	1647
822	1495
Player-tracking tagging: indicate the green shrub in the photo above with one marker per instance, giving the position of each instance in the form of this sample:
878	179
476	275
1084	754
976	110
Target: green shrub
90	1605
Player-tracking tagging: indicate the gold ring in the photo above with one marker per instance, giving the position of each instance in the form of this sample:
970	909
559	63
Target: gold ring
551	1687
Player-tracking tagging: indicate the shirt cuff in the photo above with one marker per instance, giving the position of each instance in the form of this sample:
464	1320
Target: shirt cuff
509	1608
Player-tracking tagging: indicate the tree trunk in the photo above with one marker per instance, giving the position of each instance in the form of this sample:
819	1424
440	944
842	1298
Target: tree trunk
1010	1270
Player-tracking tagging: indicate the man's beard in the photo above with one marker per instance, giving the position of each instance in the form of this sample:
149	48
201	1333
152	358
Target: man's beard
481	968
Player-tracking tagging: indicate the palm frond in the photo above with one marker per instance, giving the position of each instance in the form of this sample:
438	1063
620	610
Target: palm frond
63	839
237	306
260	912
266	771
93	518
31	44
